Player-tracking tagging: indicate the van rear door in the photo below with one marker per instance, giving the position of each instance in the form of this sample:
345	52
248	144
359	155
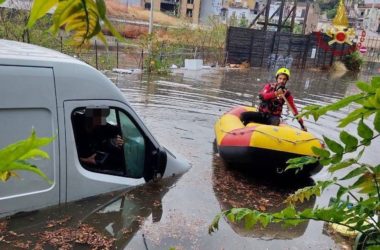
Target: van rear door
28	100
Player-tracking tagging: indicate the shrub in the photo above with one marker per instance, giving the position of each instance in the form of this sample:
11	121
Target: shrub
353	61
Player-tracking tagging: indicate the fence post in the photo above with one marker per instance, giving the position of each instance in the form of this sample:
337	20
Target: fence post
117	54
264	45
142	59
226	45
161	47
250	49
225	58
332	55
306	52
96	55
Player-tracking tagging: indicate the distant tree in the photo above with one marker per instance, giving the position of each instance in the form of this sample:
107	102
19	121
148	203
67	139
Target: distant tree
243	22
328	7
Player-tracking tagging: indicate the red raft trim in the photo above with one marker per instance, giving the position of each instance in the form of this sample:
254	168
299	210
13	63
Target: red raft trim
238	137
237	111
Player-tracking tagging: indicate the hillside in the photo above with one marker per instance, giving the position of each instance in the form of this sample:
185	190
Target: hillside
117	10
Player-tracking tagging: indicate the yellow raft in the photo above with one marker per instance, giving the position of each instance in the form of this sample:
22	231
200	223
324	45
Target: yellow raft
263	147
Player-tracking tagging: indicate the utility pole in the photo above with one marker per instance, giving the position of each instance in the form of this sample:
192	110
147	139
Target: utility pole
305	18
267	14
151	17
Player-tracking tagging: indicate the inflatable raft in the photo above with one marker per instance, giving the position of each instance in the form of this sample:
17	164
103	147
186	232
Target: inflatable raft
263	147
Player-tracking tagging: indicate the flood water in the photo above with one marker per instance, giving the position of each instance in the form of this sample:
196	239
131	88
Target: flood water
180	110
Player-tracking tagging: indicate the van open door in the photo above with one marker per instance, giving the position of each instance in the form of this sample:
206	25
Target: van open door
109	149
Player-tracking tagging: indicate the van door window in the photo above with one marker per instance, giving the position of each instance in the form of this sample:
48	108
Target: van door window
108	142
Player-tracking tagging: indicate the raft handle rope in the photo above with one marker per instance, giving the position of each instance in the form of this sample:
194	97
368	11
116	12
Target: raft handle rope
269	135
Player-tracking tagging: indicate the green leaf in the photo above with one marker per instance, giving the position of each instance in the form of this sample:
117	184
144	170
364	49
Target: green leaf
114	32
377	97
333	145
376	122
299	162
372	103
353	116
375	82
305	193
289	212
101	8
40	9
264	219
5	175
363	86
241	214
341	165
350	141
307	213
341	191
35	154
364	131
321	152
214	224
231	217
345	101
14	157
364	183
2	1
250	220
353	173
377	169
357	158
22	165
336	158
373	247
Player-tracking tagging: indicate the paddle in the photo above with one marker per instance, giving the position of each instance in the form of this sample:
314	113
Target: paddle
294	112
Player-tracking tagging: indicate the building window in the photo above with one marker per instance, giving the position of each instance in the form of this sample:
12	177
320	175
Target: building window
189	12
190	1
303	12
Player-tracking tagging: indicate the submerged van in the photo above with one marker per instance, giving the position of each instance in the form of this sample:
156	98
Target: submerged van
60	96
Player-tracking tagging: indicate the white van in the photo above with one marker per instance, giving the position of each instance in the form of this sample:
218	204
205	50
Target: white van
60	96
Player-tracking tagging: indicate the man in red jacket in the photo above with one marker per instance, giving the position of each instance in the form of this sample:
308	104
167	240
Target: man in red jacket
273	96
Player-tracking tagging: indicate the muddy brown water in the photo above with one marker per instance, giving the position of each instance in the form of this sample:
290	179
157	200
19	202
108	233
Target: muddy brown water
180	110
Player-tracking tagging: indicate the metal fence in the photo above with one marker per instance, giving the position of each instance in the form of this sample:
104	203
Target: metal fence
371	52
261	48
120	55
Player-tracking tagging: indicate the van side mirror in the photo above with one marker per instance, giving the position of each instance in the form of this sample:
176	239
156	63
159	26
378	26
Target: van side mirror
161	159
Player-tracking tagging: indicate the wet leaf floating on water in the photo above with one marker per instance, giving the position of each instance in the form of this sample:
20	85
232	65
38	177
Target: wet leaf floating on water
23	245
3	226
53	223
65	238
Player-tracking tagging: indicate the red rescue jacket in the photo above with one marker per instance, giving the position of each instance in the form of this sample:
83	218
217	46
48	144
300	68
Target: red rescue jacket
271	104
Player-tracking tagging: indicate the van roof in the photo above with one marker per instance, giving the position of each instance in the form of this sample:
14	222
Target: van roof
13	50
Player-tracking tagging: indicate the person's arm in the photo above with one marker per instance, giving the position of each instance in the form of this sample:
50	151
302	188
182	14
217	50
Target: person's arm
290	99
88	160
293	108
117	141
266	93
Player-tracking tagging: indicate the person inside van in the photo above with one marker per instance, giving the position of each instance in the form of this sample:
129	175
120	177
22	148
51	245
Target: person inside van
99	143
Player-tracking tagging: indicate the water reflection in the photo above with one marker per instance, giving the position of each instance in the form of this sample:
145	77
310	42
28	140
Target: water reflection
122	217
242	189
181	110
